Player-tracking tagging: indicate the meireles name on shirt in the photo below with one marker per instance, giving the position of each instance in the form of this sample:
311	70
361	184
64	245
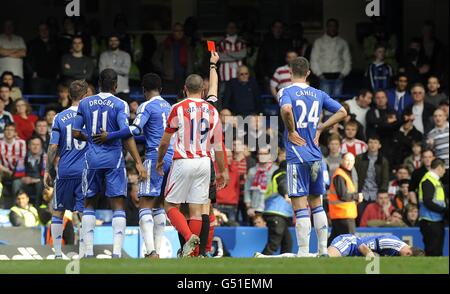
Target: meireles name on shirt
306	93
68	116
101	102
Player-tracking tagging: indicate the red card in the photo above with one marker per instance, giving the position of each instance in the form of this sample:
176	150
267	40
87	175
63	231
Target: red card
211	46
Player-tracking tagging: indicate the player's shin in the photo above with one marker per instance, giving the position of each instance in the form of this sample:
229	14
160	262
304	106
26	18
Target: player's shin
159	224
303	231
146	225
81	244
321	227
195	224
57	231
88	225
119	226
212	220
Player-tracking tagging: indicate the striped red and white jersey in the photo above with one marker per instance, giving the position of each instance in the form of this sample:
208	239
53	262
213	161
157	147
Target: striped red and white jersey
228	69
355	147
12	156
281	78
197	128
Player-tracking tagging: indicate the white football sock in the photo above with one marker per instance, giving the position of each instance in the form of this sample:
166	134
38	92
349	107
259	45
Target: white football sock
321	227
88	225
146	226
159	219
57	231
119	224
303	230
81	245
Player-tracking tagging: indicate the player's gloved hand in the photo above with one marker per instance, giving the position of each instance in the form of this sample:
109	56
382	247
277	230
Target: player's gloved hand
295	138
160	168
48	181
142	172
100	138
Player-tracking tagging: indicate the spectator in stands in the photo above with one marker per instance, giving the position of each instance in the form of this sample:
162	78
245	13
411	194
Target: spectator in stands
91	90
373	171
379	211
119	61
273	50
411	217
259	222
24	119
402	197
232	51
379	73
132	205
228	198
63	97
5	118
244	163
121	29
401	173
433	96
433	209
413	161
360	105
173	59
35	162
5	96
258	179
444	106
350	144
242	95
12	163
41	131
342	198
134	105
438	139
23	214
278	216
76	66
300	44
331	60
417	175
43	61
416	66
68	33
8	78
403	139
380	35
282	75
399	97
49	117
433	49
422	110
334	157
382	122
12	52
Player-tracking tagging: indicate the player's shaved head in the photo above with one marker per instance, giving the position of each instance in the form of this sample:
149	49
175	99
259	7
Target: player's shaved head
194	84
78	90
300	67
108	80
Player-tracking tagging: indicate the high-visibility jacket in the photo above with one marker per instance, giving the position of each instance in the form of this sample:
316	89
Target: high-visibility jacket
30	215
339	209
438	198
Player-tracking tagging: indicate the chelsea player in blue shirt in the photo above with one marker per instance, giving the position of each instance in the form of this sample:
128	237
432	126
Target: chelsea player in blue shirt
301	108
105	164
67	183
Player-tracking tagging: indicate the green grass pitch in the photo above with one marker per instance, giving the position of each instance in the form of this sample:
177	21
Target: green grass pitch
349	265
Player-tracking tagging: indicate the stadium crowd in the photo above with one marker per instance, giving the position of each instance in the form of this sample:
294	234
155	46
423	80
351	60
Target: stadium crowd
397	120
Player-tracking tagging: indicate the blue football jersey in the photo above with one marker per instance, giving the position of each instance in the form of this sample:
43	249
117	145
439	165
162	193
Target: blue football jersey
151	120
384	245
108	112
71	151
307	105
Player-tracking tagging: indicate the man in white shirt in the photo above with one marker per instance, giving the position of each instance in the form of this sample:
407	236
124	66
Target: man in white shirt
12	52
360	105
422	111
282	76
119	61
331	60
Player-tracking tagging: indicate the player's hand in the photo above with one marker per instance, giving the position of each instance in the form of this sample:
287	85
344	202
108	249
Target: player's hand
317	137
214	57
48	181
360	197
160	168
141	172
100	138
222	179
295	138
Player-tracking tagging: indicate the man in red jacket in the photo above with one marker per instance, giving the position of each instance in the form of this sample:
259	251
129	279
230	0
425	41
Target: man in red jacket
228	198
380	210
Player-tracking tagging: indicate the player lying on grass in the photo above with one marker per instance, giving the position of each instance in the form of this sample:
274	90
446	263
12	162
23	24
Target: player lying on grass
351	245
